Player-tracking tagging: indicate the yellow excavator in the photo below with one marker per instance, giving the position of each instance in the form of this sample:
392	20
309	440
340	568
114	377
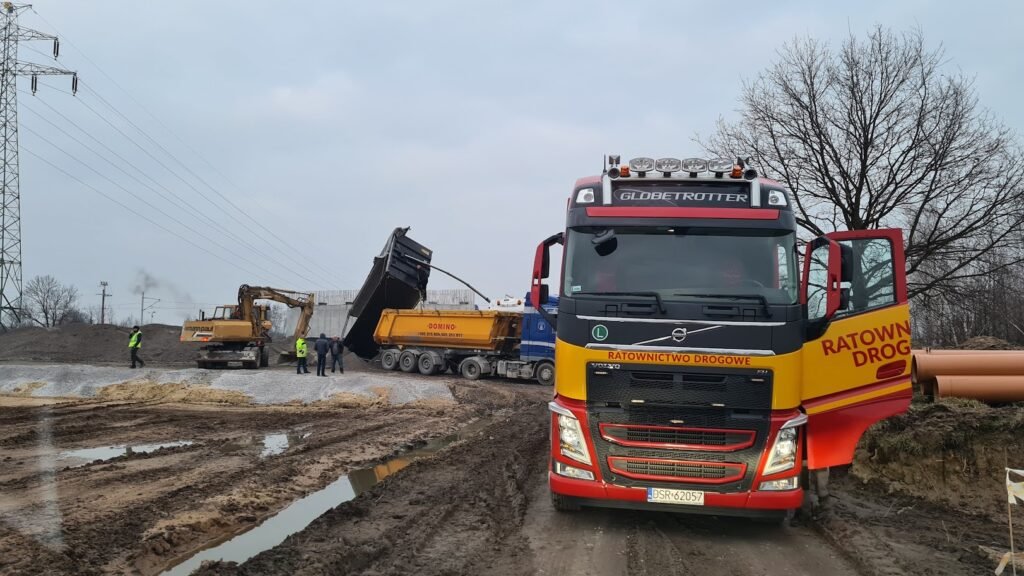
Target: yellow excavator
236	335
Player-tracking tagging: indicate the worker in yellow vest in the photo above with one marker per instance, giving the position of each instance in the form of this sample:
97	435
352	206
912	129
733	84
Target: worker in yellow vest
134	343
301	352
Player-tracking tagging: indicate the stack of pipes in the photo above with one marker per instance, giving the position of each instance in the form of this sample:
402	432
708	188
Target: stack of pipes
986	375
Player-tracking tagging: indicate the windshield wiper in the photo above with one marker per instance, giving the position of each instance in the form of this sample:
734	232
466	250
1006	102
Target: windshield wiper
758	297
650	293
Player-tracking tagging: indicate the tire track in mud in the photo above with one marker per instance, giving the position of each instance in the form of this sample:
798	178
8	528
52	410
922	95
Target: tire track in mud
458	513
890	535
133	513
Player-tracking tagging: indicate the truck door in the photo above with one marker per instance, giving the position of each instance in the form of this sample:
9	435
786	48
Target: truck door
856	358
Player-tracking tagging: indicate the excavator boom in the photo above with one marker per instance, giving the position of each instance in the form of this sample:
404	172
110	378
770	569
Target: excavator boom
236	335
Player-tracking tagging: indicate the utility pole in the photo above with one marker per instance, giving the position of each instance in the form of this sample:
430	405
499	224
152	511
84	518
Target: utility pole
143	307
103	303
10	200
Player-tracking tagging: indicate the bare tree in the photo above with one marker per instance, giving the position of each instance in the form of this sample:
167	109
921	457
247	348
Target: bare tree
50	303
874	134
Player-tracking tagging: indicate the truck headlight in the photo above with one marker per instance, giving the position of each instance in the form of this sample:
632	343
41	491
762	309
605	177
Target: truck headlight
783	453
570	435
571	439
572	472
780	485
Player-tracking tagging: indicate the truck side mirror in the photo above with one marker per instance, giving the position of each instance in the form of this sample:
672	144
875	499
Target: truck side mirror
539	290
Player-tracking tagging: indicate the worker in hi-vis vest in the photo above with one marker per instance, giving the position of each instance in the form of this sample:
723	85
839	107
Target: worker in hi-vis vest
134	343
301	353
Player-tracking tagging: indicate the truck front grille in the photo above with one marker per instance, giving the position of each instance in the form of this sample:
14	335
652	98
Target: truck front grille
677	470
677	437
677	386
698	448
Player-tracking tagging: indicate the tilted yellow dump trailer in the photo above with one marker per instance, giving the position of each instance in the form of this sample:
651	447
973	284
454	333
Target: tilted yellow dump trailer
472	343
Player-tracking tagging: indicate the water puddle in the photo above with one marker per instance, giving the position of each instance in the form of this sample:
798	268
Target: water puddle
302	512
274	444
84	456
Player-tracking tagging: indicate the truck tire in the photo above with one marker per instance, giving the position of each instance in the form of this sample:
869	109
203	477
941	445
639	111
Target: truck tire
389	360
545	372
264	357
430	363
407	361
471	369
564	503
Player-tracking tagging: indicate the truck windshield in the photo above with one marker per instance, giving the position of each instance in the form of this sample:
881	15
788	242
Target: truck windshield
676	262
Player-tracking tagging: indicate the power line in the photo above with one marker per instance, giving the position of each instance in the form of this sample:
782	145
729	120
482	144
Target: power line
194	175
184	204
172	171
326	274
157	119
132	210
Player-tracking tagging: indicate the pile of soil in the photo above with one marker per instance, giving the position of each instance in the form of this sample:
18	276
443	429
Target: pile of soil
953	453
95	344
987	343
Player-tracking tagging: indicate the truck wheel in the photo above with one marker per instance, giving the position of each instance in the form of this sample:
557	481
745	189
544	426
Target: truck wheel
545	374
564	503
264	357
429	363
389	360
407	361
471	369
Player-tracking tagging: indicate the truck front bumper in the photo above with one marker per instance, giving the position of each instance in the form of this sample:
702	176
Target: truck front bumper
604	492
750	504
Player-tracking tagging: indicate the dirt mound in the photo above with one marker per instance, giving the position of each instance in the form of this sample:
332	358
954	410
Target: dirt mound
95	344
987	343
951	453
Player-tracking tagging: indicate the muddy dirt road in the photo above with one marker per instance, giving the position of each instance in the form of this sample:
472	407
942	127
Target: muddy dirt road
482	508
336	490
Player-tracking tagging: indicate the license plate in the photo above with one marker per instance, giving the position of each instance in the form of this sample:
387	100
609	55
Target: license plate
234	364
671	496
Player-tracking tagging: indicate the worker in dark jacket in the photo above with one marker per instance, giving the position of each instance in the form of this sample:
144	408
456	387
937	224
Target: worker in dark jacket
336	351
134	343
301	352
323	345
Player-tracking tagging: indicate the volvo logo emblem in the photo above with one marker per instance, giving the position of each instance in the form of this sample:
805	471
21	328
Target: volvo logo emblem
679	334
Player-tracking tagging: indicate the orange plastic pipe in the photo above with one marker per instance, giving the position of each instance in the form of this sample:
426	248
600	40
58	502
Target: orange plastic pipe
985	388
928	366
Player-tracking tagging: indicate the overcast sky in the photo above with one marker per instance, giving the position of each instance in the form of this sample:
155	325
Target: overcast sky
331	123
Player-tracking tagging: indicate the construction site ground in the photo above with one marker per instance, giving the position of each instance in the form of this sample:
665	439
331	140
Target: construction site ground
371	482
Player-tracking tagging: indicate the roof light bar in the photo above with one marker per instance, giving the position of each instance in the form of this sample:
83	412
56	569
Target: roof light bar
668	165
720	165
641	164
694	165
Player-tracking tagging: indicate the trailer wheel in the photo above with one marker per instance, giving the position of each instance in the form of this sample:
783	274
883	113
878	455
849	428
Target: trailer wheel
389	360
429	363
407	361
545	373
471	369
